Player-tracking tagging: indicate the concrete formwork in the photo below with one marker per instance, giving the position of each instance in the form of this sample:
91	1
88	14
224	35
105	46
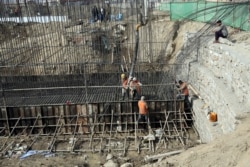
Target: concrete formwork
98	124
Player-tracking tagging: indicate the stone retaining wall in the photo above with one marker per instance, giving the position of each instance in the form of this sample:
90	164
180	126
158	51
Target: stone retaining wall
222	77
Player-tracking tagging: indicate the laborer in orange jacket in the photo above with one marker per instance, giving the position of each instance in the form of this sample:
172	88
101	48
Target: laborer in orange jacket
143	110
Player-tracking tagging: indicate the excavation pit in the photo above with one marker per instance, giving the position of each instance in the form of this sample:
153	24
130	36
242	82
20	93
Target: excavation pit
85	113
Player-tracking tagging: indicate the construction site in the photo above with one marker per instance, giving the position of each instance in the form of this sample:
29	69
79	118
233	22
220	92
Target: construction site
61	64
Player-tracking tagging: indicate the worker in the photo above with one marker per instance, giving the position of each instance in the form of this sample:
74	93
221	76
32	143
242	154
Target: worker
108	13
220	31
183	88
125	90
95	13
143	111
135	88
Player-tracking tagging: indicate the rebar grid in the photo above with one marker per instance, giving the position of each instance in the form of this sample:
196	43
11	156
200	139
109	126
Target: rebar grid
76	64
55	60
82	88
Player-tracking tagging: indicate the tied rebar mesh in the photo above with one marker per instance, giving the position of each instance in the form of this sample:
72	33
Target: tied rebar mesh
54	53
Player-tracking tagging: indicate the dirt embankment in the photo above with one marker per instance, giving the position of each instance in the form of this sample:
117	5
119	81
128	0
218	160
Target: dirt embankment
228	151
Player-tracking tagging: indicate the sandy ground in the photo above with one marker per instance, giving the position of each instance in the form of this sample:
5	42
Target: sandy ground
227	151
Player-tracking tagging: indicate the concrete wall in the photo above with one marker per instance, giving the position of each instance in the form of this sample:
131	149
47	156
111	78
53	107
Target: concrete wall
220	73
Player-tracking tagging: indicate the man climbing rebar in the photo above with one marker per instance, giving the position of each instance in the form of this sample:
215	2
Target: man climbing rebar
183	88
135	88
125	90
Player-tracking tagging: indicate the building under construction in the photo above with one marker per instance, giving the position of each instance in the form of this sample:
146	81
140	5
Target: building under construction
60	78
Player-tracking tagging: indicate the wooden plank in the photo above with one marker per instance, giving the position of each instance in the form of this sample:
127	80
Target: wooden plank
22	115
56	113
131	117
7	115
95	114
79	122
67	120
85	127
107	118
89	111
125	108
15	114
34	115
152	109
6	121
27	113
39	121
100	119
2	117
63	120
44	111
50	120
73	112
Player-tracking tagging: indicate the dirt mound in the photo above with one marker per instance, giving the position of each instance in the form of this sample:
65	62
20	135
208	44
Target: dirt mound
229	150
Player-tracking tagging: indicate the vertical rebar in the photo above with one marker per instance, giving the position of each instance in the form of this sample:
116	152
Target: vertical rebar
110	131
136	126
